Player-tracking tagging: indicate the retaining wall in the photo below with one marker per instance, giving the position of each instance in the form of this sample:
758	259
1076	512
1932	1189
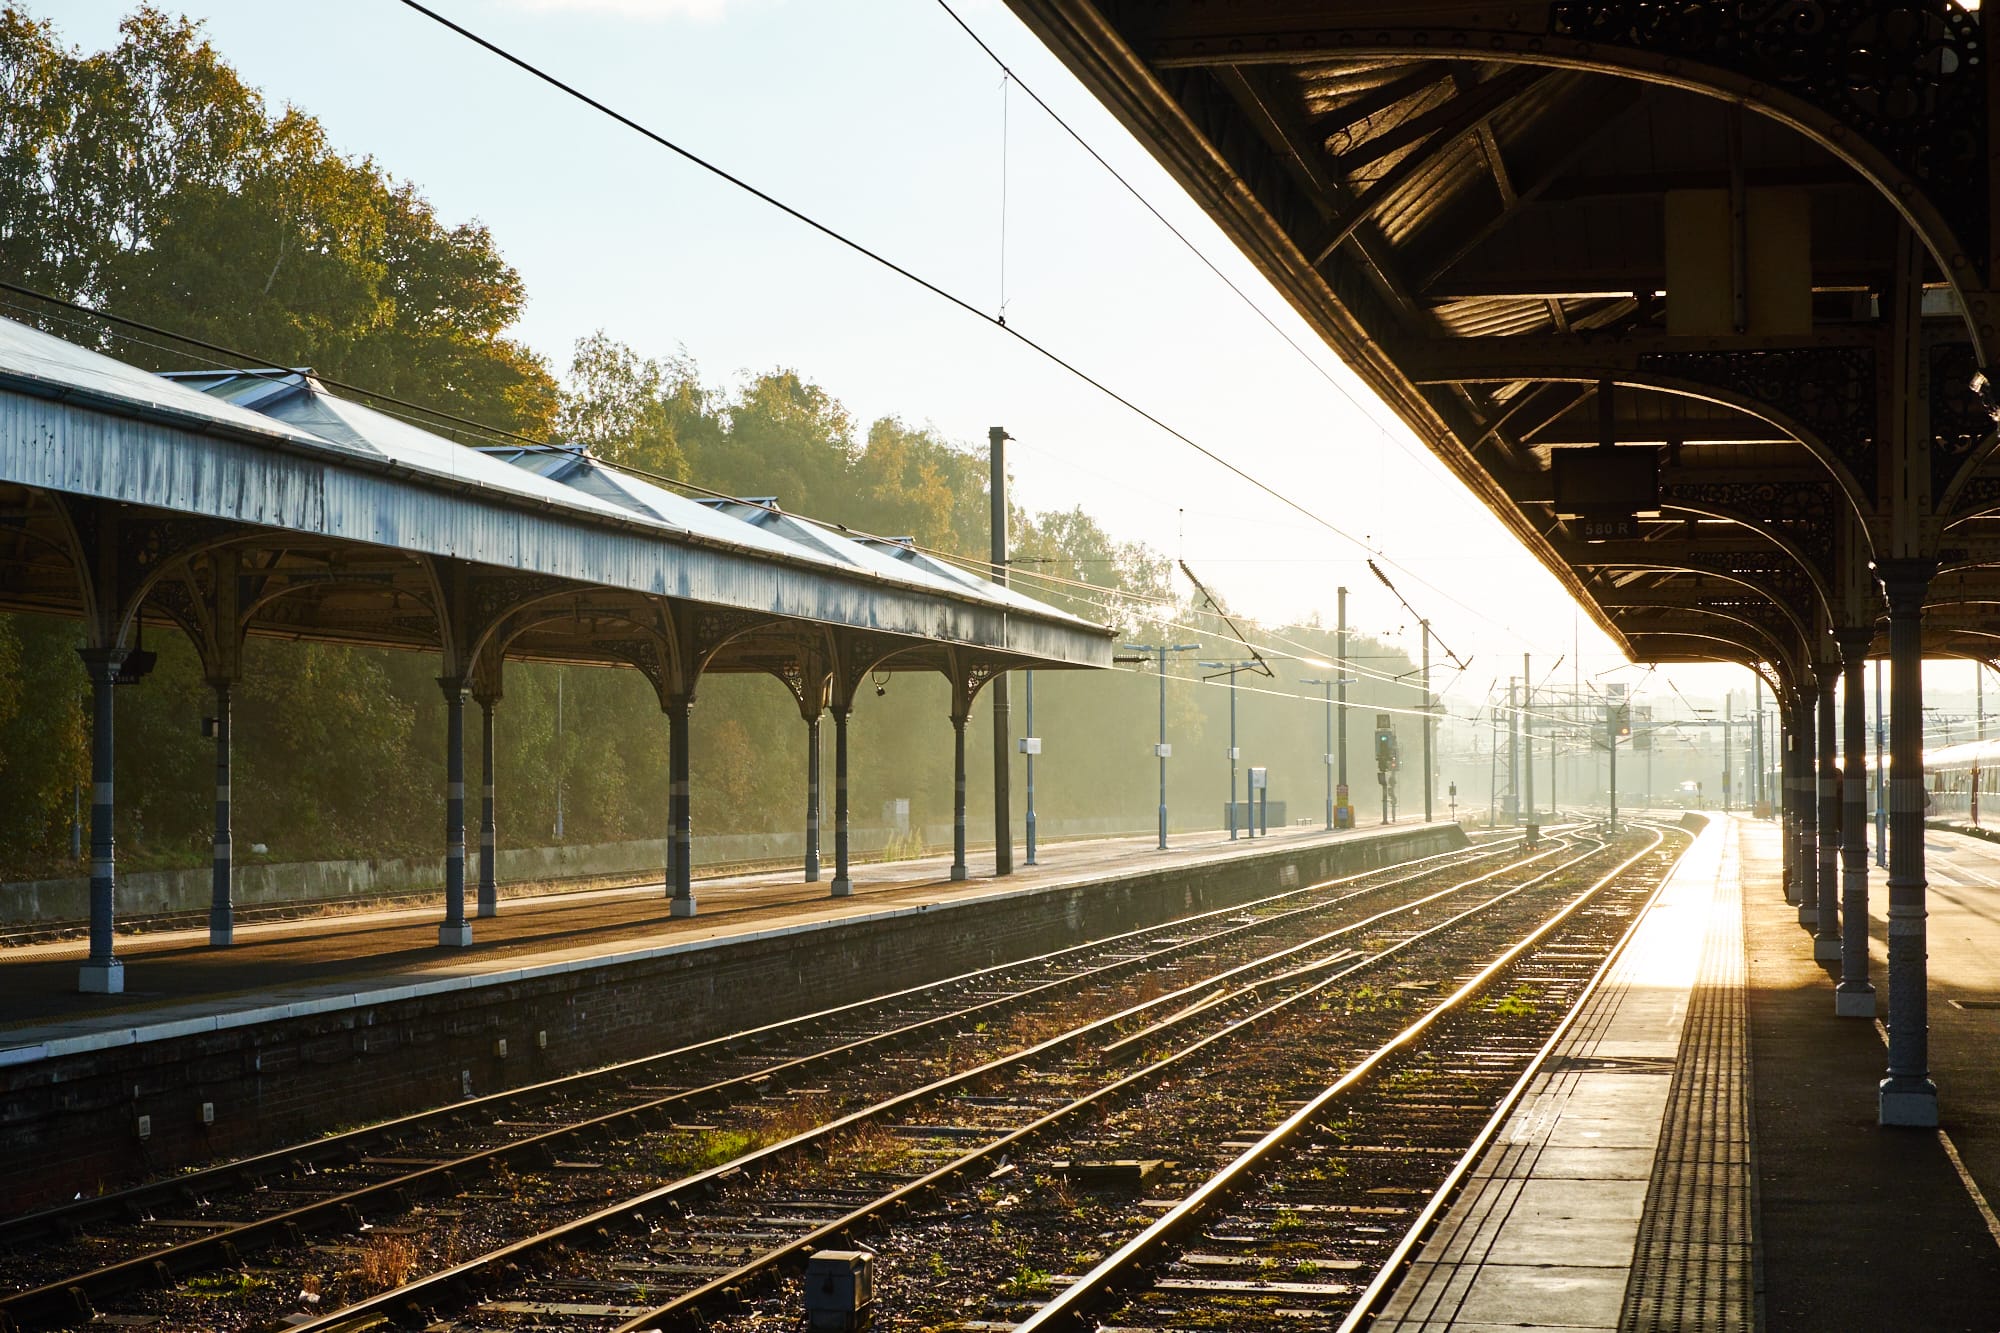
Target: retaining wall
69	1118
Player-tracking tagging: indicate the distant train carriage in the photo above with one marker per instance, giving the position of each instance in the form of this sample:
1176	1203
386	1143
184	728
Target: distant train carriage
1953	774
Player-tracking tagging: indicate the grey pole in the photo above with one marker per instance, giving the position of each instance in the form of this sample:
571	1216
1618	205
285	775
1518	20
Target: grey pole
1854	997
843	883
1341	794
489	870
456	931
1826	930
222	878
812	798
1030	758
1611	767
1728	755
1907	1095
1233	752
1493	764
1514	745
102	973
1161	749
1003	743
1527	731
958	870
1430	740
680	806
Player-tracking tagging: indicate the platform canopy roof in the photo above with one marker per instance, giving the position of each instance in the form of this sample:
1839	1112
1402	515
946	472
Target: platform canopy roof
1748	249
261	502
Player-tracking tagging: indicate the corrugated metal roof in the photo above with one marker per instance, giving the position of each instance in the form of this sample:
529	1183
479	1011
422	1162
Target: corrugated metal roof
419	491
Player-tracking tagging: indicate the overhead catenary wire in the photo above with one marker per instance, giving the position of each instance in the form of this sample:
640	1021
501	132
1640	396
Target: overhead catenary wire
867	252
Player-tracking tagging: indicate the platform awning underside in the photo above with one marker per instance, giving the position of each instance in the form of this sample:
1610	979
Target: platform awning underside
1474	208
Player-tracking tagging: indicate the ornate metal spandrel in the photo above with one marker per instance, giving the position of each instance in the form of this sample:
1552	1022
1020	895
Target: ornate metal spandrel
1979	495
1770	571
857	652
1907	77
491	596
1827	391
1804	513
643	653
1960	422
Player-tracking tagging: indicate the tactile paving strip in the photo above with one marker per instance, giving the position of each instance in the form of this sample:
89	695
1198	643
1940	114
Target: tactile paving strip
1693	1268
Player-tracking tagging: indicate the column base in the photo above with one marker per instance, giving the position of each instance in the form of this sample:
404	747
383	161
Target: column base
487	911
455	937
812	876
221	937
843	888
1914	1106
959	873
1808	916
683	906
1851	1000
1826	951
101	978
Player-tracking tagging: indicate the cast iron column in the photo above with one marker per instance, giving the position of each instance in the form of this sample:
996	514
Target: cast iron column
222	876
102	973
812	799
680	809
456	931
1907	1096
489	840
1854	997
1826	931
843	885
958	871
1808	780
1784	805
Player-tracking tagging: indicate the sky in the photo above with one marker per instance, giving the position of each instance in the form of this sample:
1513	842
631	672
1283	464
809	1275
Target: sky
883	120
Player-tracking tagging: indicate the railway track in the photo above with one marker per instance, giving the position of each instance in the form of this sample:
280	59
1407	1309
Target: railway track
851	1165
57	1264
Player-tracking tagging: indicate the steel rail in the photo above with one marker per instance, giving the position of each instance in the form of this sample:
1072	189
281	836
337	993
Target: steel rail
1364	1308
67	1297
334	1147
634	1212
689	1305
1070	1309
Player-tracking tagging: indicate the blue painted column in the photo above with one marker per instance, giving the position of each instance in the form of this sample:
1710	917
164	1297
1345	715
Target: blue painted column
489	836
843	883
1907	1096
812	799
680	808
456	932
958	870
1826	929
1788	799
222	878
1854	997
102	973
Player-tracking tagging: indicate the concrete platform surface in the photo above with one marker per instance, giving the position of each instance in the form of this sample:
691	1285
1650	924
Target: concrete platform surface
176	983
1702	1152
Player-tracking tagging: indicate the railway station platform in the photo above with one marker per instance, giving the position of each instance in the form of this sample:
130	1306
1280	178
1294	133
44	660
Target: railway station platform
1701	1151
213	1051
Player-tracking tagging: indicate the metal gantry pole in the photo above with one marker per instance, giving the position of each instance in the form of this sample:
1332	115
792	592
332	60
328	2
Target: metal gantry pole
1326	757
1527	739
1161	749
1514	745
1003	744
1233	754
1430	745
1341	794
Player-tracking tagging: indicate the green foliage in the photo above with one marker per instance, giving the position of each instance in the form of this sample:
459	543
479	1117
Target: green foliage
150	179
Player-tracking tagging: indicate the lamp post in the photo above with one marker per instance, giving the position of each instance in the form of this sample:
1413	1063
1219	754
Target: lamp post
1329	759
1163	751
1234	752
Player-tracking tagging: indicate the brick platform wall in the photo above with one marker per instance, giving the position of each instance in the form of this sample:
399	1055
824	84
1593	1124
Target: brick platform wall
69	1123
